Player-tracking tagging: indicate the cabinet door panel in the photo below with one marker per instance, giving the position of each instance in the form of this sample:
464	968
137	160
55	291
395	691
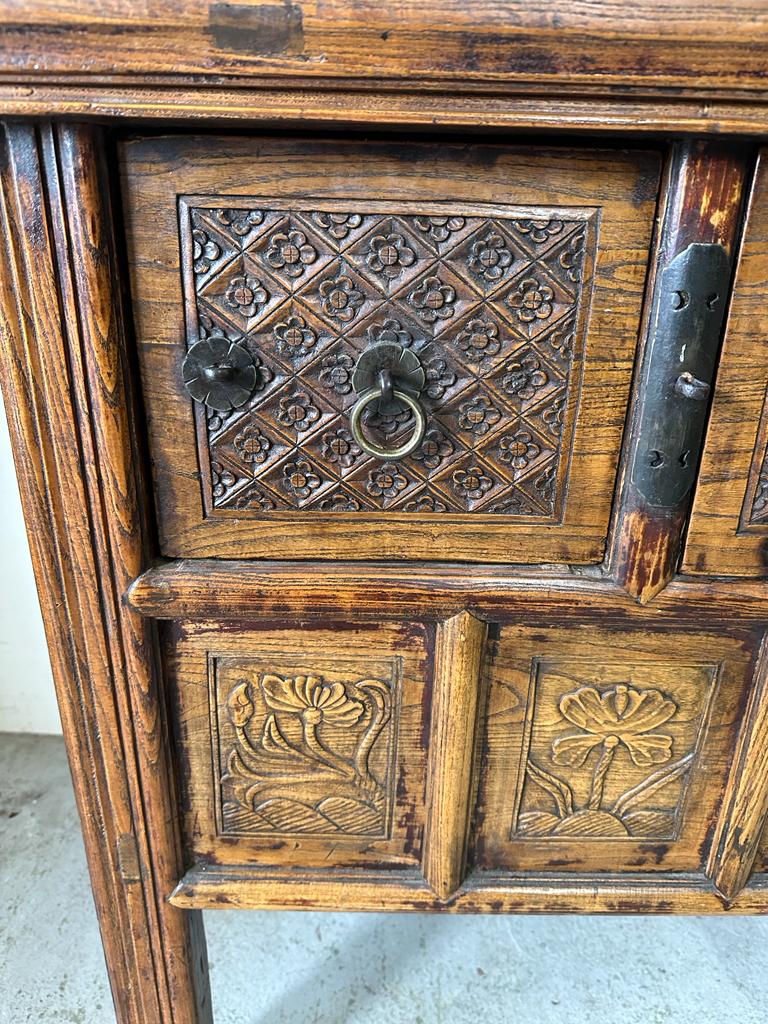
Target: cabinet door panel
606	750
514	279
301	747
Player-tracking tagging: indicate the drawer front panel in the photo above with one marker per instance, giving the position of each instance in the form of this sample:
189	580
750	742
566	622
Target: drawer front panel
303	748
607	751
511	280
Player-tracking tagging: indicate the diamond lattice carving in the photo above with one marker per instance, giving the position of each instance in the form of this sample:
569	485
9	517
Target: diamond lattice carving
490	304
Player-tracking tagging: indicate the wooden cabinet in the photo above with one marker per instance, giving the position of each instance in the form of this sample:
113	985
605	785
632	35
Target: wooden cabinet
388	402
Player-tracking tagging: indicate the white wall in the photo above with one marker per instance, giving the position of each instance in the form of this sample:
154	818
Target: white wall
27	698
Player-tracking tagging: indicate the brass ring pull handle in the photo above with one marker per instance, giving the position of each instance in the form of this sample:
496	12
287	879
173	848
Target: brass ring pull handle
391	377
414	440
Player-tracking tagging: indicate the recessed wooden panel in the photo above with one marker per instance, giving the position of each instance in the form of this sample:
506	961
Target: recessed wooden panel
302	748
515	277
728	532
606	750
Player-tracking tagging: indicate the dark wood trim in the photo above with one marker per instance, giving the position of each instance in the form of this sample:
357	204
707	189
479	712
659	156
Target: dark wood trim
431	107
704	191
207	588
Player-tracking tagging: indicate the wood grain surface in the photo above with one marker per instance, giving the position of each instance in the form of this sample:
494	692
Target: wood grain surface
702	202
728	532
457	698
621	185
654	44
64	379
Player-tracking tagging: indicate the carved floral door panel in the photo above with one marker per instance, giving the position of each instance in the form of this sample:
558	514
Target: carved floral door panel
302	747
606	750
513	277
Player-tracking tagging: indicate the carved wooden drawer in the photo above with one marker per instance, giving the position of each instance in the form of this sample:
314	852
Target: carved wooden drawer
509	281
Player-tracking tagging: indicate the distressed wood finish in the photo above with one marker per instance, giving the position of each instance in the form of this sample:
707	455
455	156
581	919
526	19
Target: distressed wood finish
303	748
387	708
565	518
728	532
455	703
64	378
652	45
701	203
354	106
607	749
219	589
574	894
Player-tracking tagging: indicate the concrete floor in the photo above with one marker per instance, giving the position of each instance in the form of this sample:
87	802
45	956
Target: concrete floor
291	968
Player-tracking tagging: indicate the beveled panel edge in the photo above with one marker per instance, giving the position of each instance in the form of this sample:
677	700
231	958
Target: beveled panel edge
430	109
228	589
211	889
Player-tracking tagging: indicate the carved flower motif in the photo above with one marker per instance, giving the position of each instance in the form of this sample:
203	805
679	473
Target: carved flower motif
389	254
386	480
336	373
252	444
254	498
553	415
479	339
339	502
532	300
434	449
760	504
472	483
478	415
297	410
221	480
312	698
300	479
391	331
540	230
490	257
389	424
204	251
561	338
425	503
338	225
434	299
438	377
518	449
290	252
239	222
572	257
544	485
524	377
340	448
246	295
341	299
294	336
439	229
621	715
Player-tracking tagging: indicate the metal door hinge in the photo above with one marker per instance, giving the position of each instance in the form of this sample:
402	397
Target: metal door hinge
681	363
